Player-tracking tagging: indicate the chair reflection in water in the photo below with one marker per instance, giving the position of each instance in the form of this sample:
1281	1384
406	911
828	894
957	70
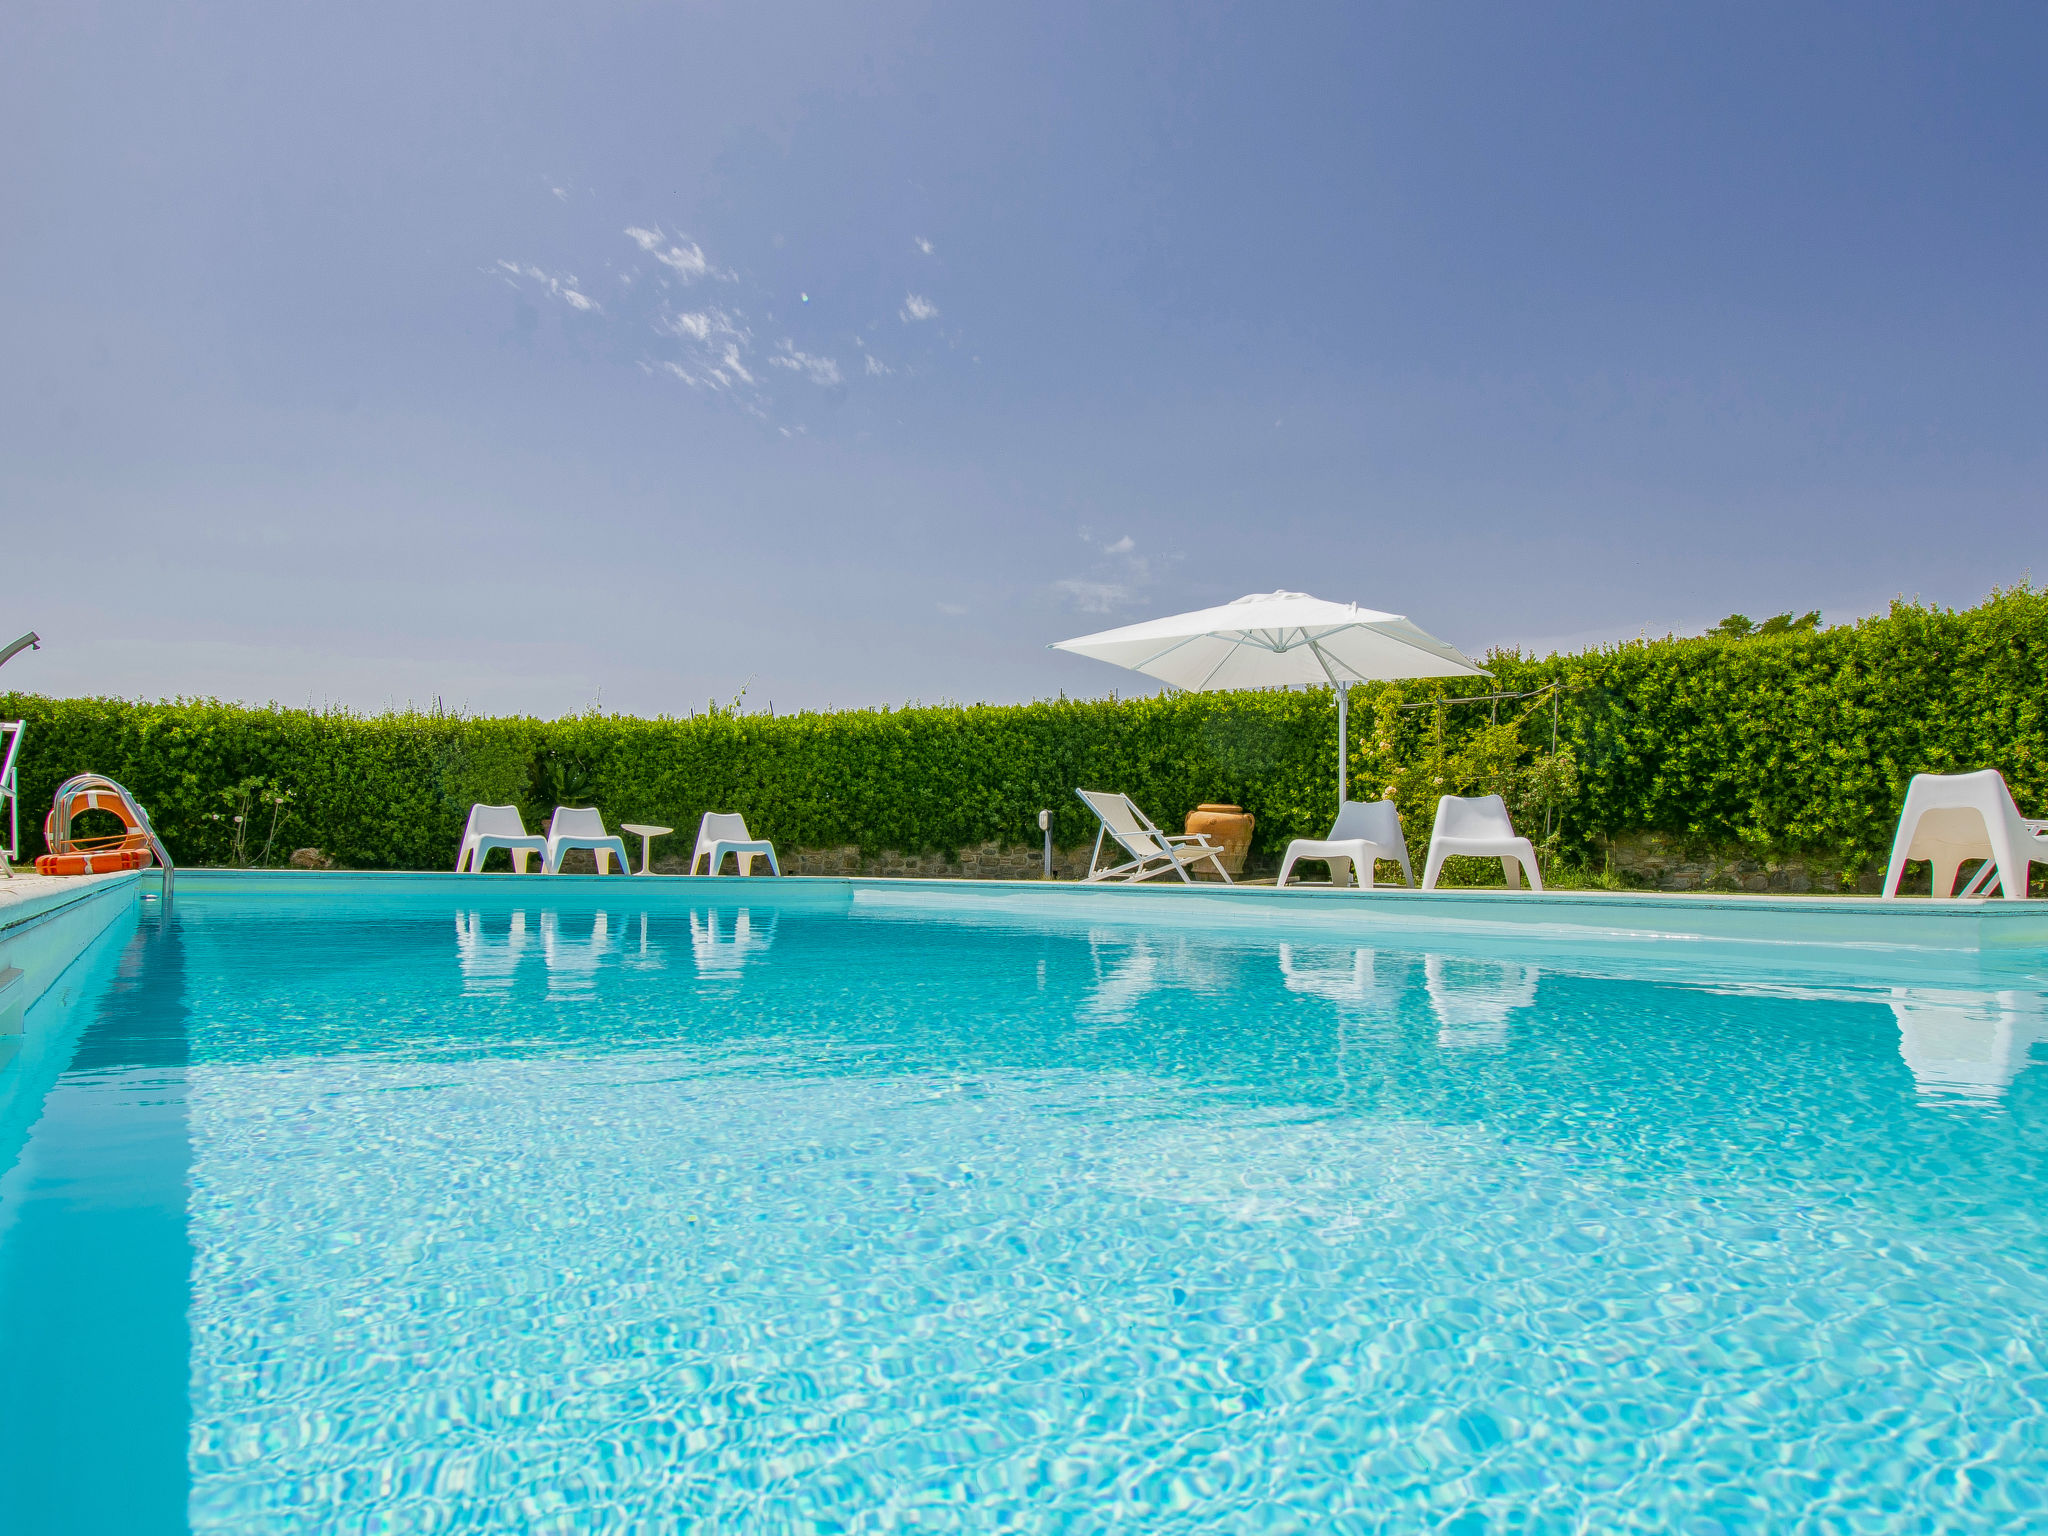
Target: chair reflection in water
1967	1045
1363	997
1352	980
1139	965
573	963
488	964
1474	999
723	942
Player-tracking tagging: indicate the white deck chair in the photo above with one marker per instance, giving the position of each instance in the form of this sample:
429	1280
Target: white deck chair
1364	830
573	828
1152	851
1949	818
719	834
499	826
1478	828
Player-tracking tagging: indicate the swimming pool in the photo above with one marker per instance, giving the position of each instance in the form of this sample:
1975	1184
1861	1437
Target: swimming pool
486	1205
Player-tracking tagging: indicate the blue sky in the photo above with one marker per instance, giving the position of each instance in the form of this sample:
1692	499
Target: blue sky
530	357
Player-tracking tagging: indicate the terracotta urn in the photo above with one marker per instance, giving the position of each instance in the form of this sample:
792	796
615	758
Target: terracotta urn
1229	827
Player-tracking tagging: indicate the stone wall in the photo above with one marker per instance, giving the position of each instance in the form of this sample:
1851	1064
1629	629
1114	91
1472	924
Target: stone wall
1655	861
990	861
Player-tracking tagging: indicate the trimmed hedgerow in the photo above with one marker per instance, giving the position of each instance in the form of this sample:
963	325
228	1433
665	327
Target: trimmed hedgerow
1794	743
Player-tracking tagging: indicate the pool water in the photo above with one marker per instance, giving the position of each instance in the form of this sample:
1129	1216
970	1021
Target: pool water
467	1207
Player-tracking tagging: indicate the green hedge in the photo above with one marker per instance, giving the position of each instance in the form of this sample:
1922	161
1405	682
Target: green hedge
1798	743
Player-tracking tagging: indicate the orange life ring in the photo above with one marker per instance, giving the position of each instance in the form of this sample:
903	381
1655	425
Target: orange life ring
131	839
108	861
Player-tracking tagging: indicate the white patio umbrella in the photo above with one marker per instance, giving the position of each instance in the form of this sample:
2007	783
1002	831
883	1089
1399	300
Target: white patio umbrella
1276	640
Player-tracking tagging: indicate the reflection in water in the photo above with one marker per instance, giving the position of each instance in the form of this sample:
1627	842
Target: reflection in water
723	943
689	1212
1967	1044
1473	998
644	956
1353	983
487	963
572	964
1142	966
490	962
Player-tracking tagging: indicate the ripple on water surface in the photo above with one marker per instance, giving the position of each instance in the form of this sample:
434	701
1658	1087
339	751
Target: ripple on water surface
804	1223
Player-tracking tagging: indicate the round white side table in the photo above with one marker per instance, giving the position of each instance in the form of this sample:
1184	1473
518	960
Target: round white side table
647	834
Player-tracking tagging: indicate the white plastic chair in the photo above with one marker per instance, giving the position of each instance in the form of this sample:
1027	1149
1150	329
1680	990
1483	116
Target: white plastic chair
571	828
1152	851
1478	828
499	826
1949	818
720	833
1364	830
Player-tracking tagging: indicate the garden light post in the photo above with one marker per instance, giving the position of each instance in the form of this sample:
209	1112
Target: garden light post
1045	826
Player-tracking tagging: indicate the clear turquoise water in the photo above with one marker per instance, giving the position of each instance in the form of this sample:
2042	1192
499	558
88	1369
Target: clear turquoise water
422	1208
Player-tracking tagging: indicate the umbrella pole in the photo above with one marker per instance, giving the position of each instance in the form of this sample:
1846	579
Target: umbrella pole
1343	736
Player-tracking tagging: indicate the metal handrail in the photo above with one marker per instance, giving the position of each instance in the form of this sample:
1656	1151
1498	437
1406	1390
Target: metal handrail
94	783
10	791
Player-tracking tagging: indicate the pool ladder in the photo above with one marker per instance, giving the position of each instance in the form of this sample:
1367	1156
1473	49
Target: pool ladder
92	786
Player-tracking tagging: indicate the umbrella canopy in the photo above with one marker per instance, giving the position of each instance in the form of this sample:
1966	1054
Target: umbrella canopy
1275	640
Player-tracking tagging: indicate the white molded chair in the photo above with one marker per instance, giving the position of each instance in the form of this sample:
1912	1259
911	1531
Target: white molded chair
584	828
1478	828
499	826
1152	851
720	833
1949	818
1364	830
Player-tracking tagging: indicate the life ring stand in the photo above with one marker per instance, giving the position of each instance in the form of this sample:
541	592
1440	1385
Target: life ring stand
132	837
135	846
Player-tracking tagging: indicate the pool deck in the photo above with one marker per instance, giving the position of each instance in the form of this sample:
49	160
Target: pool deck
45	923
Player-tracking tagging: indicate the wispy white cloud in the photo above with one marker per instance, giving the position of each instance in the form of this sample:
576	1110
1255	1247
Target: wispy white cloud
1092	596
720	368
564	288
819	370
729	363
701	325
712	347
953	610
715	344
1120	573
685	258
